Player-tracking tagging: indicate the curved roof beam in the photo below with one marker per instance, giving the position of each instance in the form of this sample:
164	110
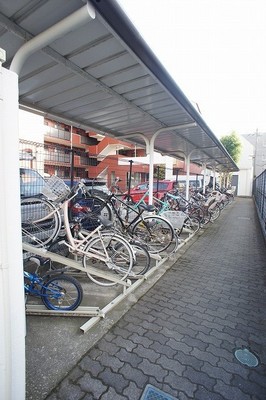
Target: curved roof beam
76	19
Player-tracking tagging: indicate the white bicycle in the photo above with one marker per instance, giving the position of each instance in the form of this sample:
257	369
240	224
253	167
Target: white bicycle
107	252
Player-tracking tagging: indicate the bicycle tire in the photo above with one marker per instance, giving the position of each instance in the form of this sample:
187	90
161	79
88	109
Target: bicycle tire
142	259
120	255
156	232
191	225
62	293
215	213
88	210
59	247
37	228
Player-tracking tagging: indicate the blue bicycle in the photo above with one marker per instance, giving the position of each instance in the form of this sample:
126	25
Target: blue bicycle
56	290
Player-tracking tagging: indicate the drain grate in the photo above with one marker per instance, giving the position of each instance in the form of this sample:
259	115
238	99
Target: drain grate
152	393
244	356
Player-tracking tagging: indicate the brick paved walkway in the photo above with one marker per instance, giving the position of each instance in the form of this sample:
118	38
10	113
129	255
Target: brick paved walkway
181	335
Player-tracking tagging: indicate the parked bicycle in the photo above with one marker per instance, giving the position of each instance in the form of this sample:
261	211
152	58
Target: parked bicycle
139	224
110	254
167	208
57	291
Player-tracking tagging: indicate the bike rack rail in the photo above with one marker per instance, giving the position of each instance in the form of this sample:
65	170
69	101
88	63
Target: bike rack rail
96	313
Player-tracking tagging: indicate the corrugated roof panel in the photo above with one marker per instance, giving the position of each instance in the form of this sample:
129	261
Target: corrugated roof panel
103	76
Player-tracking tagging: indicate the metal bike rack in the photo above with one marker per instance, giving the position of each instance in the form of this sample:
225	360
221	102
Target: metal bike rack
95	313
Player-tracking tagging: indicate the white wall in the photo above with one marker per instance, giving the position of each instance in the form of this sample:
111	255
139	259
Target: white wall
12	307
245	164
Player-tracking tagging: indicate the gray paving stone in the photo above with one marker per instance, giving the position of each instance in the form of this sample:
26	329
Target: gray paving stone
249	387
181	384
216	372
171	365
89	365
179	346
154	370
113	379
92	386
110	361
204	356
188	360
68	391
137	339
132	392
230	392
129	357
135	375
149	354
111	394
203	394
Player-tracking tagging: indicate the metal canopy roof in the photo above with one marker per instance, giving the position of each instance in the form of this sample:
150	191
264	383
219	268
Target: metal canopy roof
102	76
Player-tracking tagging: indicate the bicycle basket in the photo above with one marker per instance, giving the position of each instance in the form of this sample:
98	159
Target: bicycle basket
55	189
176	218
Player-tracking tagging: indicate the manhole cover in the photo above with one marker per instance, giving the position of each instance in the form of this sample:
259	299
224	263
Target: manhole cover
244	356
152	393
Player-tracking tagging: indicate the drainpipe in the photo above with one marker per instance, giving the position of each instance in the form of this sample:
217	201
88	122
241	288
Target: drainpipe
73	21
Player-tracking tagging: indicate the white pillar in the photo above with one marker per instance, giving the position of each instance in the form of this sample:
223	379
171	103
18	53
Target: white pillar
187	162
204	178
214	178
12	307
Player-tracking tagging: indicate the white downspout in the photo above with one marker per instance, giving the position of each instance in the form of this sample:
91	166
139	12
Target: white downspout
66	25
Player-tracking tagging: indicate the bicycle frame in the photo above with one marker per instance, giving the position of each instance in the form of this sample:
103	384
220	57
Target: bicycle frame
35	279
76	245
124	223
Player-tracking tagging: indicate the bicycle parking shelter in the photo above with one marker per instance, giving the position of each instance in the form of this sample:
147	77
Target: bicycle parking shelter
87	66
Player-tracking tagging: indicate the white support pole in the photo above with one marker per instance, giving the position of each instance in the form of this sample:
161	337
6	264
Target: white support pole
214	178
187	162
152	141
204	178
12	325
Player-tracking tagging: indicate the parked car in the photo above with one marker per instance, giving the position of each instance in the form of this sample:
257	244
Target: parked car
195	182
31	182
159	189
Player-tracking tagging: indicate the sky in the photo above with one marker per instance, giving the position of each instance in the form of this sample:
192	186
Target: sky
215	50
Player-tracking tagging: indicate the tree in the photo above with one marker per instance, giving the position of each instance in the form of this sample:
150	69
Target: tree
233	145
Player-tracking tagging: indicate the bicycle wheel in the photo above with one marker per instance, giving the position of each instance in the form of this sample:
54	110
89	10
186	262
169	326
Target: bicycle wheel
88	211
62	293
111	255
215	212
191	225
204	216
142	259
155	232
59	247
40	221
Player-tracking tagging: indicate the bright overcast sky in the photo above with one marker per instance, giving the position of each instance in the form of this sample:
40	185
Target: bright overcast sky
215	50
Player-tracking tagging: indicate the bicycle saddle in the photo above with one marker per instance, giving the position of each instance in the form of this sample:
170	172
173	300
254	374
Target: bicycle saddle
147	207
